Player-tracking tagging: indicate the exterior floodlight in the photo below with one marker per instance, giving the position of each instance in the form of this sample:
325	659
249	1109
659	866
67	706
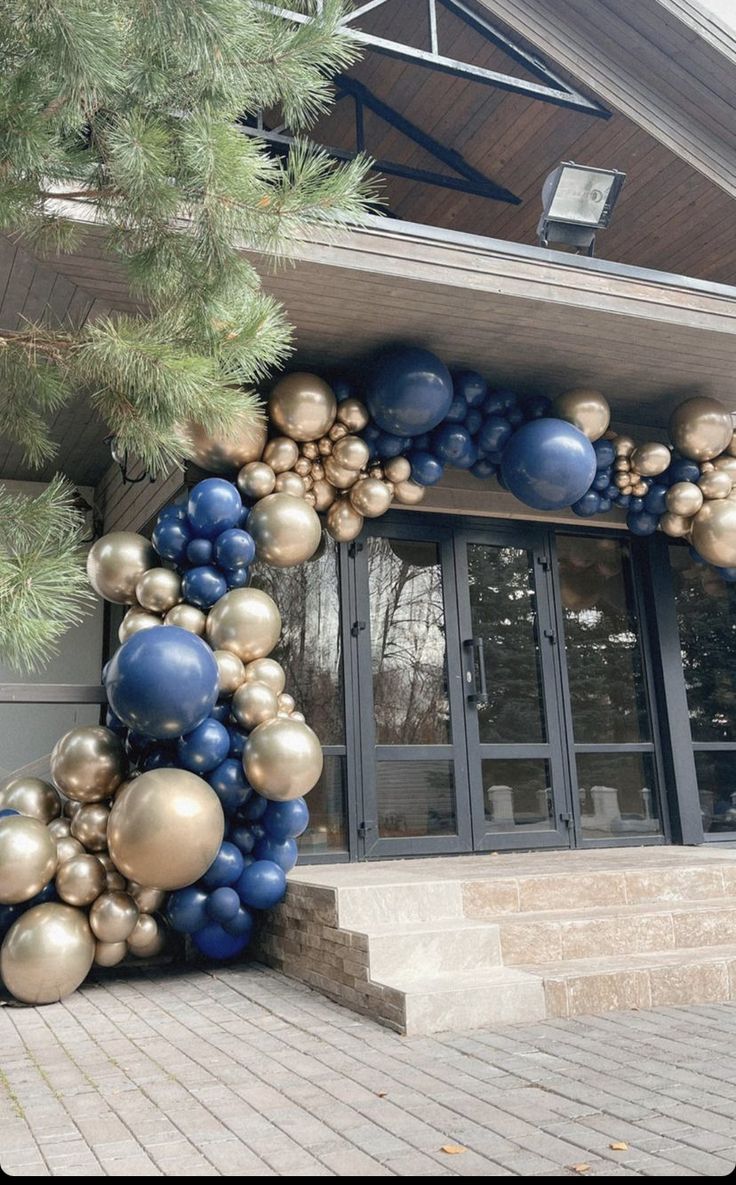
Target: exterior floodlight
577	201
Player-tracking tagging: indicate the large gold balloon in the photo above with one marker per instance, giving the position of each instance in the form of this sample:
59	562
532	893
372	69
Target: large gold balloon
89	826
588	410
324	494
135	620
701	428
113	916
675	525
81	880
47	953
353	414
281	453
30	796
716	484
268	671
651	459
338	475
410	493
158	590
302	406
246	621
147	938
115	564
88	763
343	521
371	497
147	900
256	480
286	532
290	483
253	703
28	858
714	532
397	469
109	954
684	498
187	617
282	759
165	829
351	452
230	672
227	451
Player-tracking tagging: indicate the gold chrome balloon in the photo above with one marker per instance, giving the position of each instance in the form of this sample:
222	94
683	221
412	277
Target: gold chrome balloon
353	414
587	410
325	447
624	445
410	493
701	428
727	464
287	702
676	525
253	703
302	406
165	829
268	671
147	900
324	494
28	858
717	484
227	451
343	521
310	451
30	796
684	498
303	467
256	480
649	460
351	452
714	532
297	716
370	497
147	938
639	489
116	562
281	453
282	759
158	590
81	880
290	483
109	954
47	953
286	531
113	916
230	672
71	807
338	475
336	432
88	763
731	448
397	469
67	848
245	621
89	826
59	828
187	617
135	620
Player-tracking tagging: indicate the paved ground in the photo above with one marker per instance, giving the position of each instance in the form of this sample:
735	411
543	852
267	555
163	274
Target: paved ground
243	1072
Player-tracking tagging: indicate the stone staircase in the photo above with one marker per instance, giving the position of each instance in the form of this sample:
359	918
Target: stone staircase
467	942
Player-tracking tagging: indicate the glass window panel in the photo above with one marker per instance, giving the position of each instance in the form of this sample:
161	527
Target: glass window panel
410	701
415	798
517	795
28	733
327	830
716	773
617	795
504	615
706	616
310	650
602	648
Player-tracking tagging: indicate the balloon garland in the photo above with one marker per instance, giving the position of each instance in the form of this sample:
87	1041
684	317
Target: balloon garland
183	810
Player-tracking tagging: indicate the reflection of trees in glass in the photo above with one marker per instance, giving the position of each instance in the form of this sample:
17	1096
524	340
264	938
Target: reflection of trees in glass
415	798
706	615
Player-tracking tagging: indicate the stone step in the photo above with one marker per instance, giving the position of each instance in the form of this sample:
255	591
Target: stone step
552	936
416	949
364	907
468	999
701	975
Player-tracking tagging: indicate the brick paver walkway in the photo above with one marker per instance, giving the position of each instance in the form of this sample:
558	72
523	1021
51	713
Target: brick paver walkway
243	1072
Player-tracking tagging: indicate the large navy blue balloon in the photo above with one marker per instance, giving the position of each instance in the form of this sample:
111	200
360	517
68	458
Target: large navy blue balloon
229	784
286	820
203	586
216	943
162	682
548	464
214	505
409	391
453	444
205	747
262	884
186	909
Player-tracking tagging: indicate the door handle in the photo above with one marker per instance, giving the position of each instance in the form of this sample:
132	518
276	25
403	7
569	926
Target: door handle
478	690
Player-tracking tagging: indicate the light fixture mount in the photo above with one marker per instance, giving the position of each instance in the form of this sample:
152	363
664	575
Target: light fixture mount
577	201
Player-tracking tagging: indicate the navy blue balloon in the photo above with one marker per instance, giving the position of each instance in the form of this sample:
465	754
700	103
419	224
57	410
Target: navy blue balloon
234	549
262	884
727	574
342	388
536	406
623	500
238	577
457	410
137	747
170	539
470	385
612	492
421	444
216	943
203	586
655	501
409	391
113	722
7	811
283	852
243	838
200	551
588	505
495	403
240	926
641	523
453	445
47	893
159	759
473	420
548	464
176	510
371	433
483	469
426	469
605	453
8	914
229	784
495	433
387	445
636	505
186	909
255	808
682	470
601	481
225	868
286	820
162	682
515	416
214	505
237	742
203	749
221	711
604	504
223	904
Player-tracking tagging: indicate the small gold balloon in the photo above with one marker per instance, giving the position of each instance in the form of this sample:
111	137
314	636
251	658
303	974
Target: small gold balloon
325	447
230	671
147	938
286	702
649	460
158	590
310	451
338	475
684	498
706	466
47	953
374	471
397	469
135	620
701	428
256	480
89	826
302	406
714	532
281	453
308	483
639	489
282	759
409	493
81	880
88	763
337	431
343	520
353	414
622	465
727	464
113	916
290	483
303	467
30	796
59	828
71	807
587	410
67	848
297	716
318	471
268	671
675	525
324	495
351	452
253	703
370	497
622	481
245	621
28	858
624	446
109	954
147	900
717	484
286	532
187	617
116	562
227	451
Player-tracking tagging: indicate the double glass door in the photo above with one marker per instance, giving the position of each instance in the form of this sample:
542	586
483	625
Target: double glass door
503	691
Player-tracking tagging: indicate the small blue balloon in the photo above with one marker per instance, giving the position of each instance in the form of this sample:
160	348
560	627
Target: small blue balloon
8	914
495	433
426	470
237	742
536	406
170	539
286	820
387	445
624	501
137	747
453	445
473	420
176	510
483	469
221	711
216	943
641	523
241	925
515	416
612	492
214	505
548	464
262	884
471	386
225	868
238	577
282	852
601	481
199	552
159	759
604	504
409	391
243	838
113	722
7	811
186	909
421	444
162	682
605	454
222	904
636	505
342	389
727	574
47	893
457	410
203	749
588	505
371	433
255	808
229	784
234	549
203	586
655	501
681	469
